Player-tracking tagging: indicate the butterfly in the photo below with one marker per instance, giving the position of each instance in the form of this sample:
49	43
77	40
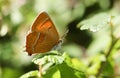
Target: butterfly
43	36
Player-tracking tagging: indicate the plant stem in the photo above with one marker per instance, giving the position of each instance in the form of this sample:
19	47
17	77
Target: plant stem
40	70
113	42
103	63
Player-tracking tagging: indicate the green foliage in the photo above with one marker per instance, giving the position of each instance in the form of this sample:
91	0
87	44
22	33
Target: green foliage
67	72
31	74
108	70
10	73
98	59
54	65
94	23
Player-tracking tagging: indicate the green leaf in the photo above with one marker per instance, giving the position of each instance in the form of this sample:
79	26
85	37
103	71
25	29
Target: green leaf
31	74
52	56
118	46
56	65
108	70
95	63
95	23
48	60
79	64
7	72
67	59
63	71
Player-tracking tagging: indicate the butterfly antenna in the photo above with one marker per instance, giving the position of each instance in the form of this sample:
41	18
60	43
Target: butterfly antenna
65	34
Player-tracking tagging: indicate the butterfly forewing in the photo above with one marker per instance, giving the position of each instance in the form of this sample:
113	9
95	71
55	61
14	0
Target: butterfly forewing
43	36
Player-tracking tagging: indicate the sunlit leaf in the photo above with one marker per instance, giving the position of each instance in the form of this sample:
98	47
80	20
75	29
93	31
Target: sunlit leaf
53	57
95	23
95	63
79	64
63	71
31	74
48	60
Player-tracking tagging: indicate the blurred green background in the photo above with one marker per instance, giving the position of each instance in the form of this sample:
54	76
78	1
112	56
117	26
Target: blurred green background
16	17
